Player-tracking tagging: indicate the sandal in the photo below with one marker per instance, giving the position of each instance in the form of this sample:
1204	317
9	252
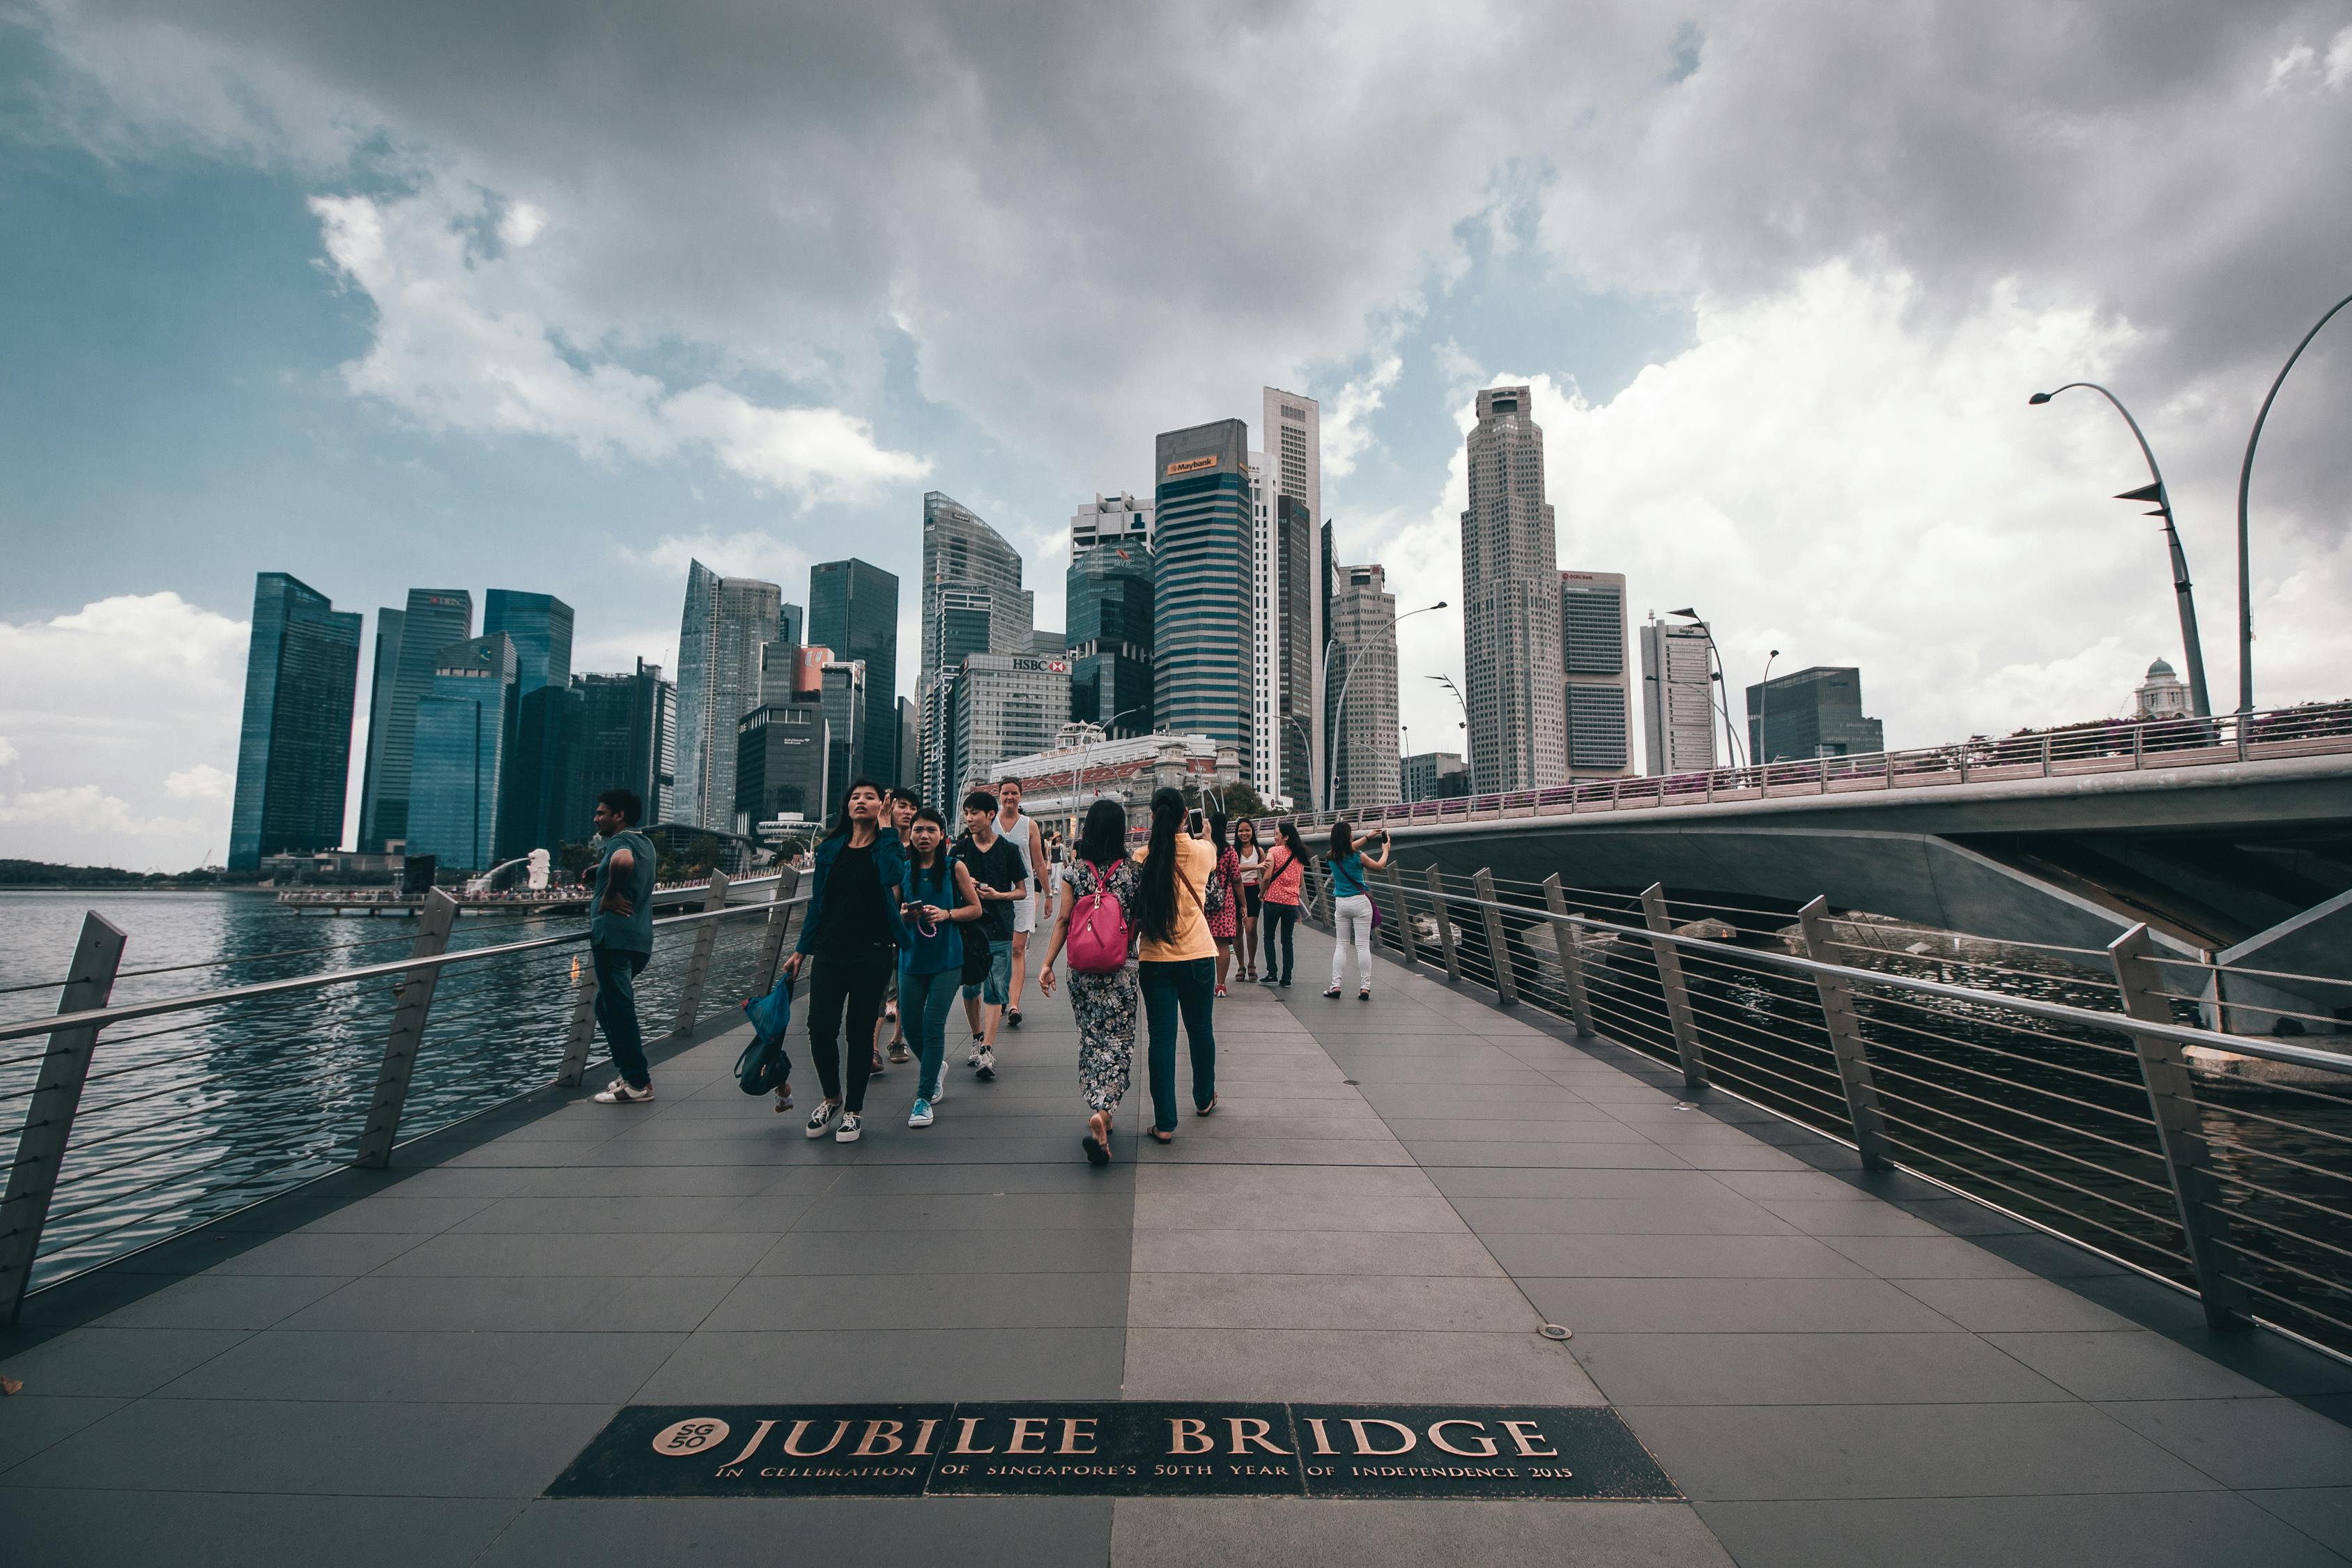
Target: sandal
1159	1137
1333	992
1207	1109
1096	1142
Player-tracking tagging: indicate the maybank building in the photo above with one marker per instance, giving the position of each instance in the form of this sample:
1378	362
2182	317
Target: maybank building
1202	583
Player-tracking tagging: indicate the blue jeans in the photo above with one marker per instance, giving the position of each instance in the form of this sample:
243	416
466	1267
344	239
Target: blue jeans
1187	987
924	1003
616	1010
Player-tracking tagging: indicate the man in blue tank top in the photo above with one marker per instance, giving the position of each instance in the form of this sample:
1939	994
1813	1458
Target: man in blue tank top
621	941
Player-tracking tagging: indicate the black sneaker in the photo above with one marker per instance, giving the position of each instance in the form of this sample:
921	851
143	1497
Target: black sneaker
1013	1018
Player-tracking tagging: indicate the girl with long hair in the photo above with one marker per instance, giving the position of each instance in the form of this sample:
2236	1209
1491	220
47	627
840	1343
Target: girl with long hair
1177	971
1351	906
938	901
1281	879
1224	897
1246	853
1103	1003
853	928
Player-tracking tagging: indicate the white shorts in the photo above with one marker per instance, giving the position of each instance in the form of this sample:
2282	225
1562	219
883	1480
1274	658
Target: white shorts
1024	915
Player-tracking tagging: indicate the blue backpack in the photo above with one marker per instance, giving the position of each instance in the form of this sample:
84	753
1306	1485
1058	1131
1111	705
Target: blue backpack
763	1064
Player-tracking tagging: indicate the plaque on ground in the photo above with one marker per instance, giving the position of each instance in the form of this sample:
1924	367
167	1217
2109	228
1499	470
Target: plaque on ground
1053	1449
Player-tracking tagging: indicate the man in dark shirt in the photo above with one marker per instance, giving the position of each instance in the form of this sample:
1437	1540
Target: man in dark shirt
1000	878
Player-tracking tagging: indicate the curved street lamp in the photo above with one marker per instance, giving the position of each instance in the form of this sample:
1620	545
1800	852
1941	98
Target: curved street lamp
1763	718
2245	480
1339	708
1722	681
2192	645
1078	774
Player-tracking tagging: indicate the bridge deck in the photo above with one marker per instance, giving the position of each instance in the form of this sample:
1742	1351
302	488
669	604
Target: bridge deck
1393	1198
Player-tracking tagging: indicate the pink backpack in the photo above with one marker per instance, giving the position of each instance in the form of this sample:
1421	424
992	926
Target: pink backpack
1098	934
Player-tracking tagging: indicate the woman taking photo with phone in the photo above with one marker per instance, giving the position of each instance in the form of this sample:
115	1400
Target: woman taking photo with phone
1106	881
938	900
1284	879
1351	906
1178	969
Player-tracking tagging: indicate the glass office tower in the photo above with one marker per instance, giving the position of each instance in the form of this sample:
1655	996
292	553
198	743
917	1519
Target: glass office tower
540	626
294	747
853	609
434	618
465	742
1204	584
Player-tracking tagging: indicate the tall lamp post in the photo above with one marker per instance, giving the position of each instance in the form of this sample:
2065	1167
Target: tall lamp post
2191	644
2245	481
1722	684
1764	719
1340	709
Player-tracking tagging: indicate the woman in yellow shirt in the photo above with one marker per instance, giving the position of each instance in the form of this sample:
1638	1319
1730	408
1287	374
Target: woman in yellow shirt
1178	967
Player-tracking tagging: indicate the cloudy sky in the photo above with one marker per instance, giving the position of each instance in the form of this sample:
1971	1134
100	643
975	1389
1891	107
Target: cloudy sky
556	296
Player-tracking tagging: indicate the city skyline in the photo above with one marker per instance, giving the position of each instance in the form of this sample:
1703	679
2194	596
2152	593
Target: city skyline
282	304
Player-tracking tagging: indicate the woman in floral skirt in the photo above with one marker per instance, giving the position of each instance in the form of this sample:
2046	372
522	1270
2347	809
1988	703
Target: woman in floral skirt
1103	1003
1225	917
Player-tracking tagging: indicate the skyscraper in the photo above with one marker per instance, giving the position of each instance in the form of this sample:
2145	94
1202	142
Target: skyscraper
540	625
1000	706
853	610
383	682
465	742
1510	583
725	621
1363	722
434	618
1204	585
1295	608
1677	698
1596	679
294	747
625	736
972	602
1812	713
780	760
841	693
1108	592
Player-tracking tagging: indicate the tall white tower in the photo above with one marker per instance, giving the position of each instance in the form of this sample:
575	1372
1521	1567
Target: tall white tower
1510	585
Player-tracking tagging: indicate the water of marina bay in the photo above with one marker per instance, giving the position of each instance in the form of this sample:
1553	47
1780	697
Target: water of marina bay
190	1116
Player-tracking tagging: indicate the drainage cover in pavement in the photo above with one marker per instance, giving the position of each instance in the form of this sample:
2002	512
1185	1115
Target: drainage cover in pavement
1114	1449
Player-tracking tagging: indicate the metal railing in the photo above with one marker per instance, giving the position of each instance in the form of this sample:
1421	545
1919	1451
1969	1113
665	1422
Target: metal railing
145	1118
2092	1107
2122	746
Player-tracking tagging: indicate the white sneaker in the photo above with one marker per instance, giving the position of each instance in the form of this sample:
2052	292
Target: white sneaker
821	1118
618	1092
985	1068
941	1092
921	1115
973	1060
848	1129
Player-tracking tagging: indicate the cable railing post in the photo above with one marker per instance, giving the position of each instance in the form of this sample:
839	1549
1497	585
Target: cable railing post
2179	1131
1572	960
1844	1031
1670	981
697	967
780	926
1498	951
1444	918
1406	944
582	1032
415	1004
49	1115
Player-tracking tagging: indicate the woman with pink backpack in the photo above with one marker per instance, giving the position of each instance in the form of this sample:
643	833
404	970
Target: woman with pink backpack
1094	923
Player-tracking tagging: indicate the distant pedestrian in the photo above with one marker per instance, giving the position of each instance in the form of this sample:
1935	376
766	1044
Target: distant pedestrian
997	876
1103	1001
1282	878
621	941
1351	905
1178	971
1021	831
1245	854
939	905
853	928
904	802
1223	899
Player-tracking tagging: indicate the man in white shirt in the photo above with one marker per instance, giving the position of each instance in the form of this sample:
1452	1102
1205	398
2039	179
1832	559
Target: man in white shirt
1022	833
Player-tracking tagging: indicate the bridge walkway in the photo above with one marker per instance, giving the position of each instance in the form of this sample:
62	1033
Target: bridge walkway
1388	1203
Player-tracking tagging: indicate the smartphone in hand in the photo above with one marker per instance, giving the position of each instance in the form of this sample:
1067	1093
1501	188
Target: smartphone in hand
1194	824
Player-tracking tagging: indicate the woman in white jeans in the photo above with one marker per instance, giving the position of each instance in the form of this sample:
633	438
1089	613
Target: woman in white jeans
1352	907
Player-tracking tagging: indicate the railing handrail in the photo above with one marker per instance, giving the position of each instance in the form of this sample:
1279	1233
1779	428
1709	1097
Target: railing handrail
2056	1012
97	1017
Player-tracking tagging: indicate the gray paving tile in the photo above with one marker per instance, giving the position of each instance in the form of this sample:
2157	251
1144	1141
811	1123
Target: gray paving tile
848	1362
1923	1257
109	1362
439	1451
663	1214
2195	1530
1284	1532
1906	1368
1403	1366
1817	1217
2245	1442
1530	1255
2018	1305
1764	1452
617	1255
1268	1300
392	1213
1389	1254
2324	1513
213	1300
974	1303
1571	1181
341	1255
408	1366
1157	1210
1718	1213
77	1528
1612	1153
1733	1306
1107	1208
1012	1533
2130	1364
1058	1251
34	1421
1818	1186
